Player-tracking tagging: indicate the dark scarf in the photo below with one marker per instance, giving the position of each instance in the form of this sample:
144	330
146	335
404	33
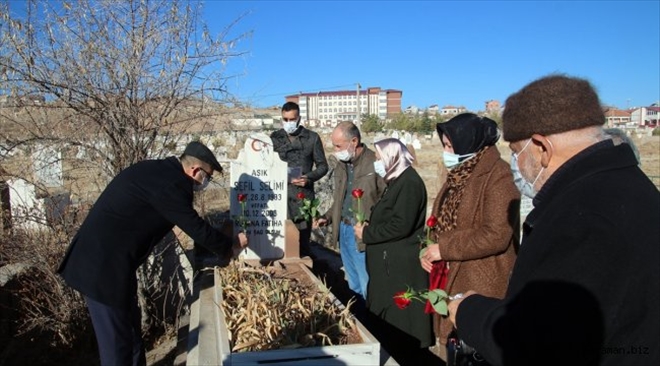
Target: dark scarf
446	211
469	133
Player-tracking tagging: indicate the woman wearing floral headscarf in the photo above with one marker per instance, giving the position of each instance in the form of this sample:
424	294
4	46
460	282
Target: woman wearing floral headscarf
392	255
476	237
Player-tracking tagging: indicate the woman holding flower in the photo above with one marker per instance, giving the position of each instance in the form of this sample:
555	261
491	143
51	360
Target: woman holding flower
392	254
475	241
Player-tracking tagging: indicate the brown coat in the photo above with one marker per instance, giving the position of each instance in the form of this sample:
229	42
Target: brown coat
482	249
365	178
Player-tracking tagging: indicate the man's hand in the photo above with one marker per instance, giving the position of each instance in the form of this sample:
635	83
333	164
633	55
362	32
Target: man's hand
242	240
239	243
300	181
359	228
454	304
316	223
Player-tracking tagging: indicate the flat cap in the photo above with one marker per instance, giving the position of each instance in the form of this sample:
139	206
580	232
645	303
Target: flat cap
200	151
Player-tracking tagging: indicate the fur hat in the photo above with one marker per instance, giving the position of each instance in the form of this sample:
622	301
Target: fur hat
550	105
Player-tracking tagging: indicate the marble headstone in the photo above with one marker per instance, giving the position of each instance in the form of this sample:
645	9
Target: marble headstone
27	211
48	166
259	173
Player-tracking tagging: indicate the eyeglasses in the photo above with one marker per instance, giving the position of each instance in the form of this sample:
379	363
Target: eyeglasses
209	175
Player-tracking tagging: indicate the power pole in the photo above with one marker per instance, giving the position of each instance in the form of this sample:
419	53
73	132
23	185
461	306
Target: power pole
357	96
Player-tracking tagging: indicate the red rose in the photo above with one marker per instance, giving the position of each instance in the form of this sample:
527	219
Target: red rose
357	193
300	195
432	221
401	299
242	197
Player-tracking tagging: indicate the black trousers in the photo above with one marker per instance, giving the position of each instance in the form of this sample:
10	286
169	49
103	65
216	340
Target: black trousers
118	334
305	235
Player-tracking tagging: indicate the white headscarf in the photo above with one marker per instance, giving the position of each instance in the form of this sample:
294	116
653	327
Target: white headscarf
395	156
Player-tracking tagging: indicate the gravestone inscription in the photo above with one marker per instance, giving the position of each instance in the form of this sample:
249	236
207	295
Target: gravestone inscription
259	198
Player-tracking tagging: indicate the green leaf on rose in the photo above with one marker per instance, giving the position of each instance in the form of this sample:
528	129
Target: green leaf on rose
441	307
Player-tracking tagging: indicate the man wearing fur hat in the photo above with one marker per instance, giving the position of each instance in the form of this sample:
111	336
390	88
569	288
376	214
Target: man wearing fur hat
585	287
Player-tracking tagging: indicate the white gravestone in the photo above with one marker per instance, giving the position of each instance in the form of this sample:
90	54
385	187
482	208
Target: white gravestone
406	139
259	173
48	166
27	211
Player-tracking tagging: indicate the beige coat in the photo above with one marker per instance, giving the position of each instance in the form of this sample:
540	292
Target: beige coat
482	249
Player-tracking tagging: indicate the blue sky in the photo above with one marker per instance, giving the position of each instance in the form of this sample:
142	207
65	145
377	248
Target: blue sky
441	52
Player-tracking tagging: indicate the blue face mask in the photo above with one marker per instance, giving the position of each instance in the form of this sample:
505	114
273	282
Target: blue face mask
524	186
451	159
379	168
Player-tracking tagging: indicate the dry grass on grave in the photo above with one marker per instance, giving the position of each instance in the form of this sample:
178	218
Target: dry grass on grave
279	306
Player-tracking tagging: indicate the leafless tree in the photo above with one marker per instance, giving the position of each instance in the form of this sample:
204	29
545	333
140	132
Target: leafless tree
117	79
109	82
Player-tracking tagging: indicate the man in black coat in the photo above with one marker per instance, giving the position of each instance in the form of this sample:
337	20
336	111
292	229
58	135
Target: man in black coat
585	286
134	212
303	151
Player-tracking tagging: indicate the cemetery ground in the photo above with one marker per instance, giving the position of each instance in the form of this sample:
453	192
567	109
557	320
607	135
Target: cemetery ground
36	349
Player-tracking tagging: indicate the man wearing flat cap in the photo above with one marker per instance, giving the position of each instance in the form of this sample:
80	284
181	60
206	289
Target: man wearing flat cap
585	287
135	211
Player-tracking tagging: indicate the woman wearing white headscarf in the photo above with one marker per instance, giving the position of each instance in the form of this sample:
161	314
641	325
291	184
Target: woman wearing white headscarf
392	254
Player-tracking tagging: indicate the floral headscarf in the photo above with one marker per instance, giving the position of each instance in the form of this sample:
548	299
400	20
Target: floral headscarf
395	156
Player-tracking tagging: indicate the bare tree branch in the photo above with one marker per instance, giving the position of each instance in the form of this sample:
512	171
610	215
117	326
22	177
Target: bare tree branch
122	75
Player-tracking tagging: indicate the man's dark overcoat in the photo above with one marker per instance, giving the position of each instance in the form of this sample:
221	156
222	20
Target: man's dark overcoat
135	211
585	286
305	150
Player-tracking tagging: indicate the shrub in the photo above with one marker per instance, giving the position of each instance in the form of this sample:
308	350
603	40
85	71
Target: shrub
45	304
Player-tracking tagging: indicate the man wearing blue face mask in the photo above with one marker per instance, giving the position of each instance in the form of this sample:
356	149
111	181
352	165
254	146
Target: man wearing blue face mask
135	211
303	152
585	285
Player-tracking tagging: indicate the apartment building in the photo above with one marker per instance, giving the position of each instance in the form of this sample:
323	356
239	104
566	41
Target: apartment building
645	116
450	110
492	106
617	118
325	109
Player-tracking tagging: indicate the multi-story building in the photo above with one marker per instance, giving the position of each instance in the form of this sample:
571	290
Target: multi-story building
492	106
450	110
645	116
617	118
325	109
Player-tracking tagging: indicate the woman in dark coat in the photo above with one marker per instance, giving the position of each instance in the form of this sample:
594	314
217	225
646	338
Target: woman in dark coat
392	254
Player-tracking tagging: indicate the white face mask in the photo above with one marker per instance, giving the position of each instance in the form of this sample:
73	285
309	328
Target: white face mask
345	155
290	126
379	168
525	187
451	159
205	182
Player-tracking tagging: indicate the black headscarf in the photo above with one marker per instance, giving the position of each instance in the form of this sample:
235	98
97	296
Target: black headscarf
469	133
